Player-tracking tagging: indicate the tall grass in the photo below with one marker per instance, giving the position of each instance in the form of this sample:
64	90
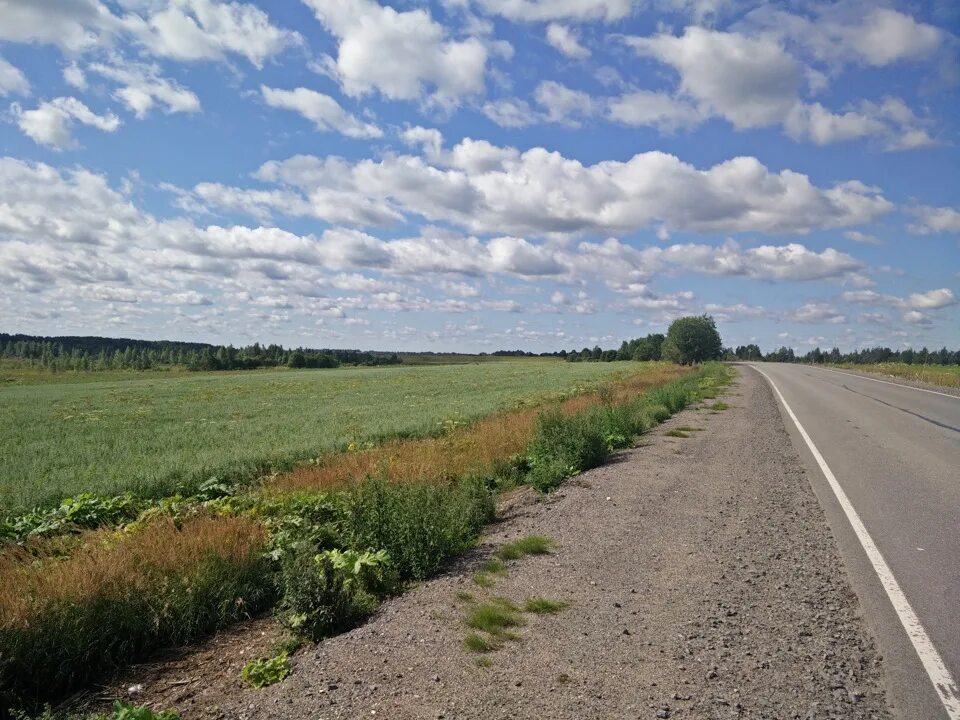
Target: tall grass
62	622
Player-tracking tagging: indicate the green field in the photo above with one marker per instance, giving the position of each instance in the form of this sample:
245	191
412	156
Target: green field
147	435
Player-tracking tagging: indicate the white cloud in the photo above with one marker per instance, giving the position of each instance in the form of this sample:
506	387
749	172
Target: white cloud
546	10
656	109
930	300
862	237
322	110
818	313
50	123
823	127
142	87
562	104
74	76
751	81
12	80
208	30
511	113
177	29
563	39
403	55
934	220
494	190
850	32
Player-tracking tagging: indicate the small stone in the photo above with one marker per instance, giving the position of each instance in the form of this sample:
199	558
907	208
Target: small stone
135	689
663	712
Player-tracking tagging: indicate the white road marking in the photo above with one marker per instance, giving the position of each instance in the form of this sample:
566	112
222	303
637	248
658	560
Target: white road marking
943	682
887	382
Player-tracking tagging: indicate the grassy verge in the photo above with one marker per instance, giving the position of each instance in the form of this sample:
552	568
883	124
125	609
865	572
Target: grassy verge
323	545
944	375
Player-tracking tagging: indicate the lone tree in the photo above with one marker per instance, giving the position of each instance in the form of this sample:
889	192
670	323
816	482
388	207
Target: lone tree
692	339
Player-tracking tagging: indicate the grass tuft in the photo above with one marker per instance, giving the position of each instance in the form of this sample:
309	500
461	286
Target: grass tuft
718	406
676	432
543	606
495	617
530	545
475	642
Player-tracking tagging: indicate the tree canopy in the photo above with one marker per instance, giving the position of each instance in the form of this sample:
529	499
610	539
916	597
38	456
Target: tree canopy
692	339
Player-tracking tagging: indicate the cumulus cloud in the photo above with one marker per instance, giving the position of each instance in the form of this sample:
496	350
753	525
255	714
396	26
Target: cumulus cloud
929	220
322	110
74	76
546	10
493	190
142	87
861	237
818	313
915	308
12	80
752	81
177	29
50	123
564	40
562	104
845	32
656	109
403	55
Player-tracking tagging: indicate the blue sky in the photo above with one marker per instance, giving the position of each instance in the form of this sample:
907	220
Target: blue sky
480	174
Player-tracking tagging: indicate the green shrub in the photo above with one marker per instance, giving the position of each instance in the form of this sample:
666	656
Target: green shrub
419	525
564	445
321	595
266	671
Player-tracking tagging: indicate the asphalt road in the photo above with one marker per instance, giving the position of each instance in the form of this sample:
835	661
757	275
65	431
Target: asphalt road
895	452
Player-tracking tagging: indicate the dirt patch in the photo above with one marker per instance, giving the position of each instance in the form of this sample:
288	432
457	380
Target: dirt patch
702	582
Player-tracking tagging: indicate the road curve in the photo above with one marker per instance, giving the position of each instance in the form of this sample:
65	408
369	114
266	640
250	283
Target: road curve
894	453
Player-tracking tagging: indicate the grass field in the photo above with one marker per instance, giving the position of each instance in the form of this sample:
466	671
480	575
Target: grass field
945	375
147	435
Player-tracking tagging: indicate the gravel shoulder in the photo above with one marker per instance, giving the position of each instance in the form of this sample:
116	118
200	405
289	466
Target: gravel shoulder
702	582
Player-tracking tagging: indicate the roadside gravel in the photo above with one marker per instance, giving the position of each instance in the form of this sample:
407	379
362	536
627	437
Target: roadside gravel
702	579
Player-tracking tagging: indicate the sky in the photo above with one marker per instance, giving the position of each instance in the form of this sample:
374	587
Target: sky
473	175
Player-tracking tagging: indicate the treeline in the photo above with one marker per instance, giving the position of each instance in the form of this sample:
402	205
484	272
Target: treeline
867	356
649	347
95	353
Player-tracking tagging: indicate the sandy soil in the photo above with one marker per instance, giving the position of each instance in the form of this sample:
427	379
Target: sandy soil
702	579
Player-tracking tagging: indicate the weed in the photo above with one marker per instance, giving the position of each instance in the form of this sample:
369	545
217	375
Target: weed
126	711
529	545
541	606
475	642
266	671
718	406
676	432
688	428
484	662
464	596
495	617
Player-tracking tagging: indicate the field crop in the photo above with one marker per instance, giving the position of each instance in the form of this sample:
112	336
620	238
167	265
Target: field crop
151	436
945	375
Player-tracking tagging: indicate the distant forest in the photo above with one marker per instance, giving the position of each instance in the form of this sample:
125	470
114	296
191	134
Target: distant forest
99	353
67	353
648	348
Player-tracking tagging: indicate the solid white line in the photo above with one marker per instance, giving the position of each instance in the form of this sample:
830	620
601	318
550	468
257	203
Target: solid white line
887	382
943	682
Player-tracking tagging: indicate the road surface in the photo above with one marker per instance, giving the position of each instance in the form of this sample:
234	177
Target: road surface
894	453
